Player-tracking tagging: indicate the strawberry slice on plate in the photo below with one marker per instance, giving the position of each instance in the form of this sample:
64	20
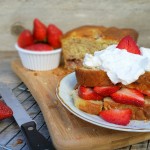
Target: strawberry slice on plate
25	39
106	90
116	116
128	96
5	111
39	30
129	44
39	47
145	92
88	93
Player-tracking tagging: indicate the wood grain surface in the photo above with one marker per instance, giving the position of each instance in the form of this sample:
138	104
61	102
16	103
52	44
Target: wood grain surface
19	14
68	131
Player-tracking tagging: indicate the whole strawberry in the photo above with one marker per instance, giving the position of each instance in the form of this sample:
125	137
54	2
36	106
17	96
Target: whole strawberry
5	111
54	36
25	39
39	30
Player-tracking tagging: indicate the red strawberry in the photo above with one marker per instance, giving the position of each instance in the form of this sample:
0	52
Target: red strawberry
128	96
39	30
5	111
88	93
39	47
25	38
54	36
129	44
145	92
116	116
106	90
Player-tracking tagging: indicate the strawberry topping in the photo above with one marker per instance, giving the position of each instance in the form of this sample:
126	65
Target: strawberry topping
88	93
128	96
116	116
129	44
106	90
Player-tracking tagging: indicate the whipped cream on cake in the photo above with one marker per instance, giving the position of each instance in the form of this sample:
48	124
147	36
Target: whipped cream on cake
120	65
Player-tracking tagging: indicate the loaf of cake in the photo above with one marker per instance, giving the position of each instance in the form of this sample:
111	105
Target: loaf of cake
88	39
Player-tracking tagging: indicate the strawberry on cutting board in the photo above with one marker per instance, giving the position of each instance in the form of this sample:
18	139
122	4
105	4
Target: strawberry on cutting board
39	47
128	96
116	116
106	90
54	36
88	93
39	30
5	111
25	39
129	44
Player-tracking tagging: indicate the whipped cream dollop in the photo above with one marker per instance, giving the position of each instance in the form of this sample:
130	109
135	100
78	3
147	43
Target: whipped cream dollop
120	65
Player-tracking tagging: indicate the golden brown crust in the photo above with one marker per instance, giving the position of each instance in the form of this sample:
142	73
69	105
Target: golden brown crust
91	78
138	113
85	31
89	106
117	34
112	33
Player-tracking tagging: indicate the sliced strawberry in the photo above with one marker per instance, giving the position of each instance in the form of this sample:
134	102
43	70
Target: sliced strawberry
88	93
129	44
39	47
39	30
145	92
25	39
106	90
5	111
116	116
54	36
128	96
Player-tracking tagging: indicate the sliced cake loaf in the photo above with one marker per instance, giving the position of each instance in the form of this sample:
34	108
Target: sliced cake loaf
88	39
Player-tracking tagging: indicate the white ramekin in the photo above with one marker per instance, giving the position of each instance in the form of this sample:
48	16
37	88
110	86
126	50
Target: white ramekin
39	61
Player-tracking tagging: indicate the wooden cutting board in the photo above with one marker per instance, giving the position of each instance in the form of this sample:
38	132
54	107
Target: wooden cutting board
68	132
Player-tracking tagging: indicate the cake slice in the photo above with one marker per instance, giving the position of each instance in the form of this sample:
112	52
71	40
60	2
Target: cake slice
88	39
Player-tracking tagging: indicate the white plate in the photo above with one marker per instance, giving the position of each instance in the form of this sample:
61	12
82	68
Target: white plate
63	93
